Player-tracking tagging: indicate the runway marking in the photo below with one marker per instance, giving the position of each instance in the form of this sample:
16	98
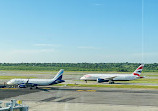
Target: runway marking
46	88
91	90
9	88
79	90
86	90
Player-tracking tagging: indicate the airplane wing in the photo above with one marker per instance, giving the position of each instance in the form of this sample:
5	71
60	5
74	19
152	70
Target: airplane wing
27	84
141	77
105	79
108	78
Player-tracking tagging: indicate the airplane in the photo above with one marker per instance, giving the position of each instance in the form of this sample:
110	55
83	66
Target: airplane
24	83
113	77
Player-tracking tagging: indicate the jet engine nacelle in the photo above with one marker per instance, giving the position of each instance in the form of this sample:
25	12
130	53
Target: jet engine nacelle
22	86
101	80
59	81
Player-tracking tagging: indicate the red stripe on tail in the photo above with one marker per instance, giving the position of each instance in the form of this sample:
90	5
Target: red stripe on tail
140	67
136	74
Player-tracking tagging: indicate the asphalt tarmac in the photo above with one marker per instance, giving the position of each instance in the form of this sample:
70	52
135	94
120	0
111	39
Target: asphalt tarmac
102	97
78	98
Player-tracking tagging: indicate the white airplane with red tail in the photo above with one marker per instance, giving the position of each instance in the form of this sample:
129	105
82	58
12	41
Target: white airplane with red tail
114	77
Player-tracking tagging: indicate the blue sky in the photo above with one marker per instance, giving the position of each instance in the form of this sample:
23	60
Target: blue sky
78	31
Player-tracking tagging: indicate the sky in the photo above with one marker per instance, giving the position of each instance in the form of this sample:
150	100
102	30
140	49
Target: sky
76	31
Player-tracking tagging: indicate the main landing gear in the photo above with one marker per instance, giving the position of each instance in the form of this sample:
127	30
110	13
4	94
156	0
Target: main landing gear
111	82
35	87
30	87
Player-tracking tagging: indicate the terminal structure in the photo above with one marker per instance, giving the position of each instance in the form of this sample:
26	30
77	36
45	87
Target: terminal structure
14	105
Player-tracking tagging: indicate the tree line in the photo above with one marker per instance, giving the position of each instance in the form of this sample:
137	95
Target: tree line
118	67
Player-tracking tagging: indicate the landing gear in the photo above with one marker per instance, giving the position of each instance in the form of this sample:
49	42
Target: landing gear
13	86
36	87
30	87
86	81
111	82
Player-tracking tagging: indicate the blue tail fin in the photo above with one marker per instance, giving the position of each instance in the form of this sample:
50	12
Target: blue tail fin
59	75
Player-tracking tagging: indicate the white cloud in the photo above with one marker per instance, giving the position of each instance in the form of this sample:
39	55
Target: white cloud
32	51
87	47
48	45
26	55
51	55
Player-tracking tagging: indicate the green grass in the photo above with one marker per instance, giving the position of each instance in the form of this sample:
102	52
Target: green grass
15	77
44	72
144	80
151	75
109	86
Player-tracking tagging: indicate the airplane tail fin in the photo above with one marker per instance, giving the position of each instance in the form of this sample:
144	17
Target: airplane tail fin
59	75
138	71
58	78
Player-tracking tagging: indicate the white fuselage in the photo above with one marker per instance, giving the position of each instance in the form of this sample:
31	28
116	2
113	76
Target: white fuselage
23	83
39	82
118	77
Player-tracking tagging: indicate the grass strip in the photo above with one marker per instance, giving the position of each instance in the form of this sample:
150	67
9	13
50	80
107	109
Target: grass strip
109	86
144	80
15	77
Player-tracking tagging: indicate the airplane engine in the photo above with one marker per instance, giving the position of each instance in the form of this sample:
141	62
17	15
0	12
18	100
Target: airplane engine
101	80
60	81
22	86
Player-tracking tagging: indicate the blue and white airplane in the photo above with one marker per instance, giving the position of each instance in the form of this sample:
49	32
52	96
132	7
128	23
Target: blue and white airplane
24	83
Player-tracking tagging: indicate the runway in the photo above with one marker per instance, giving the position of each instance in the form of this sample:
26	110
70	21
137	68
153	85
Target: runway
102	97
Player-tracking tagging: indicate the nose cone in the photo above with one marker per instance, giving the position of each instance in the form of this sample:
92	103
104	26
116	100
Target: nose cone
9	83
83	78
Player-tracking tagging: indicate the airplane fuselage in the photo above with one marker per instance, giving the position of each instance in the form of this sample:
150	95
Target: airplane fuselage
39	82
119	77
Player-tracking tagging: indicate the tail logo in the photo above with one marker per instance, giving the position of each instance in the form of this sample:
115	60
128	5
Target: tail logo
59	75
138	71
